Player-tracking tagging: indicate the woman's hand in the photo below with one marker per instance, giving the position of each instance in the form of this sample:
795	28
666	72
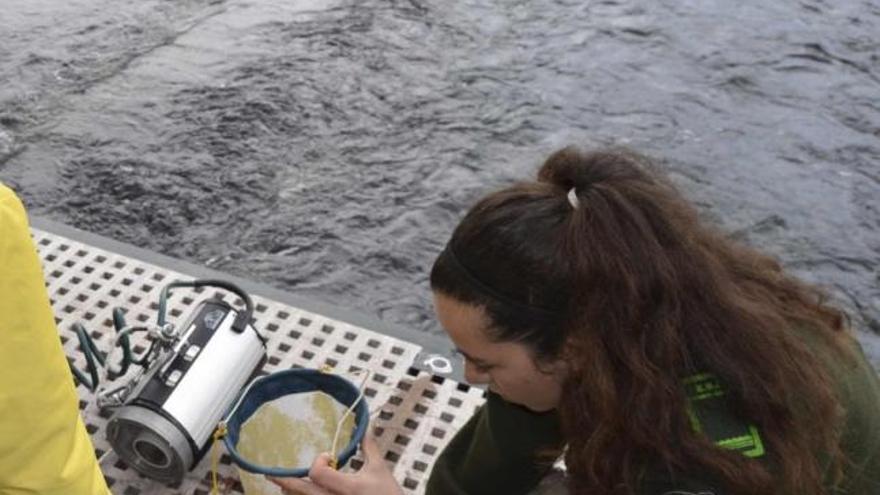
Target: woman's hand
374	478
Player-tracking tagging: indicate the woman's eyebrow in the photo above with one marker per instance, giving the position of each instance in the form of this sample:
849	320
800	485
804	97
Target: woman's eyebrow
470	358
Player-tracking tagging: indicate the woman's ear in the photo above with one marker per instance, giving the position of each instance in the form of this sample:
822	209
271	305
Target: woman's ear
560	365
561	368
557	367
567	361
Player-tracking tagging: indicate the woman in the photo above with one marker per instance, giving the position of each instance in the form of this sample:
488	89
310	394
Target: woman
655	354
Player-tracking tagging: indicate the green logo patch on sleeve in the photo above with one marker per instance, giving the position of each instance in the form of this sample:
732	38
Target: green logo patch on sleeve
709	414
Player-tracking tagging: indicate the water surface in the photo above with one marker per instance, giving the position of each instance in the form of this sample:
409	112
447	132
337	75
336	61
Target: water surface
329	147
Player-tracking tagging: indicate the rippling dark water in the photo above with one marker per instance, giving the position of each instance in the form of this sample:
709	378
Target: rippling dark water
329	147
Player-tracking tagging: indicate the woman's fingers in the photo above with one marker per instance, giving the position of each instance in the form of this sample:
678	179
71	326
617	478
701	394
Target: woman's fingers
323	459
323	474
372	452
374	478
296	486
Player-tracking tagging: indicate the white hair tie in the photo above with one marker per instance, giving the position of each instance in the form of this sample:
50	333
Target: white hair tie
573	198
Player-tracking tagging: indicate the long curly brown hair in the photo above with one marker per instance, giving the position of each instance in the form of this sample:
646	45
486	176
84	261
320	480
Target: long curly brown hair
630	288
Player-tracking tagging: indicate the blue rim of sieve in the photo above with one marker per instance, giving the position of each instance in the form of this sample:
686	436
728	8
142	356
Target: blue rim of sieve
270	387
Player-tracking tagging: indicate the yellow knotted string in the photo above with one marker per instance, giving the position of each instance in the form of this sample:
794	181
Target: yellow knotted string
349	411
219	433
326	368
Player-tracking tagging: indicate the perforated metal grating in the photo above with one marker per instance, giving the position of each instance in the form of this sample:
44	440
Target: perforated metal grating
417	412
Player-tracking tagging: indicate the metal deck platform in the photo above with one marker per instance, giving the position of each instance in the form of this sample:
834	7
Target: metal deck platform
419	411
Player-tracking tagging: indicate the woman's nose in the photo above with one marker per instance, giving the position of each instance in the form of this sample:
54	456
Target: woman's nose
473	375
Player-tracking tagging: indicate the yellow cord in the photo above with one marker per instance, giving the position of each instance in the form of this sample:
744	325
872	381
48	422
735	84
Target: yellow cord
219	433
360	397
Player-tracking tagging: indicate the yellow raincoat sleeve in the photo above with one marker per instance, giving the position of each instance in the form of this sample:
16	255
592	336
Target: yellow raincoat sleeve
44	447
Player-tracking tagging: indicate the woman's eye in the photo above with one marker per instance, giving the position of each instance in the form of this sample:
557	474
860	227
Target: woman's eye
482	368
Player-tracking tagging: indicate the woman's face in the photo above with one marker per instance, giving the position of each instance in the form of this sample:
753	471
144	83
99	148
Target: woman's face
508	368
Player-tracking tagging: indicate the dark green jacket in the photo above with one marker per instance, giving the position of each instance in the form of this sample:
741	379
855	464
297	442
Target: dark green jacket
495	452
